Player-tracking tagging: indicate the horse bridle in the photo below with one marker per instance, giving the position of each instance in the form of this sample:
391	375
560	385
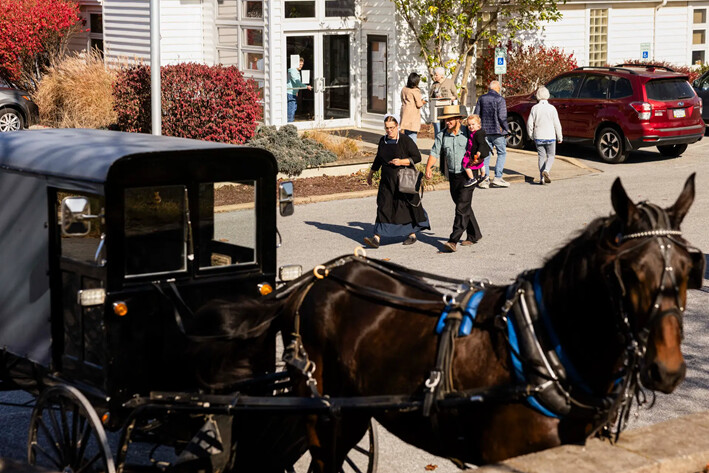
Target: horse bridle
637	339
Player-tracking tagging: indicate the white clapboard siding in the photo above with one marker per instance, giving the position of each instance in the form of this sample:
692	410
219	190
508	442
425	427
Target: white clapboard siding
673	41
126	31
181	29
570	34
628	26
379	20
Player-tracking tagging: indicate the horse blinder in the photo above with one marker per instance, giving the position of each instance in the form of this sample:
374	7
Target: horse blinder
696	274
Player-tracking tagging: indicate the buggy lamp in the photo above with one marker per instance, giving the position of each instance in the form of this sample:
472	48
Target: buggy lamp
290	272
89	297
120	308
264	289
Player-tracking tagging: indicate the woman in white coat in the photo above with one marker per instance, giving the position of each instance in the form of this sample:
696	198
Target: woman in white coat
544	127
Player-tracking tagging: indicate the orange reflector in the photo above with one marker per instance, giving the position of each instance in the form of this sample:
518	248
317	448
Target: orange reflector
105	418
265	288
120	308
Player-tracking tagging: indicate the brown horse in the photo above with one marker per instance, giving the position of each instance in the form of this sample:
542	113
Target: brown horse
605	311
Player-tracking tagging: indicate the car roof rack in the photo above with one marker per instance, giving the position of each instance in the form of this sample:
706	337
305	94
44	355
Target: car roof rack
606	68
647	66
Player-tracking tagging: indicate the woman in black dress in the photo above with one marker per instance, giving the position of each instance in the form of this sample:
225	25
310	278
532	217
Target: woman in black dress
398	214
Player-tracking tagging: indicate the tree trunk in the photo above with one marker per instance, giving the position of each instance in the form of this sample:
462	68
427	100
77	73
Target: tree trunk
466	77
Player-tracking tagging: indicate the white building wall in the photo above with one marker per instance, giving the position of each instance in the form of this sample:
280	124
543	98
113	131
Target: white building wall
377	16
628	27
673	38
126	31
570	34
181	31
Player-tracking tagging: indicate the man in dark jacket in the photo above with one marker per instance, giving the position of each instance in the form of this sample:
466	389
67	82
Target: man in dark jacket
493	114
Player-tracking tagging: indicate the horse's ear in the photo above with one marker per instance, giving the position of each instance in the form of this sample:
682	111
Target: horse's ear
684	201
623	206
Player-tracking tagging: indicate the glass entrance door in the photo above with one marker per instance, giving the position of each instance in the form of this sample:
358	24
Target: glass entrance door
319	93
336	77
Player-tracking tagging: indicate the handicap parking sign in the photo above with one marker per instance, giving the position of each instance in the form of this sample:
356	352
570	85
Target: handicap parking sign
645	50
645	55
500	61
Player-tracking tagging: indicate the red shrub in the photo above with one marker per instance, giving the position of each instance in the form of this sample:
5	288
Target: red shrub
213	103
32	32
527	67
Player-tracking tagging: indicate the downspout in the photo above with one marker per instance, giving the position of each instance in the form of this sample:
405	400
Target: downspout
654	27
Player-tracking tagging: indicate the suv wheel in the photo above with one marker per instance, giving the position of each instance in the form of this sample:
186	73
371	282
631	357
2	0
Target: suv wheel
610	146
10	120
516	137
672	151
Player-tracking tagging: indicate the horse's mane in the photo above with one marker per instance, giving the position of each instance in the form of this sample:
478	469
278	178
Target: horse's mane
581	256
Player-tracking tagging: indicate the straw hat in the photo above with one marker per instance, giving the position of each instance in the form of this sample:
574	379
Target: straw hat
453	111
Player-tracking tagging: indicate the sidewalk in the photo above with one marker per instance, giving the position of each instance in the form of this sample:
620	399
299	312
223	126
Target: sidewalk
520	165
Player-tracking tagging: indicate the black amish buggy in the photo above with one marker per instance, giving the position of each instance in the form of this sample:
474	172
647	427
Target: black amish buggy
109	244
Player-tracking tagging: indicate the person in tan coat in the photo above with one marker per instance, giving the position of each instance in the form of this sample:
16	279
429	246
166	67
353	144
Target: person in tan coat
411	103
445	88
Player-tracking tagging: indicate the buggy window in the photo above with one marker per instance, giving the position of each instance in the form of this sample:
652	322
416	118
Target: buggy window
564	87
669	89
227	223
85	248
155	230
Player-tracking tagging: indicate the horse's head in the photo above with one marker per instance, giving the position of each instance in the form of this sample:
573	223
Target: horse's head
652	268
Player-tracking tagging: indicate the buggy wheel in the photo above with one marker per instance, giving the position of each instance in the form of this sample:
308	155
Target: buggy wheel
364	457
66	434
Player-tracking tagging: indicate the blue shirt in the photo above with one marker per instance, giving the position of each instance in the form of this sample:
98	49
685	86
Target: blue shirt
294	82
453	148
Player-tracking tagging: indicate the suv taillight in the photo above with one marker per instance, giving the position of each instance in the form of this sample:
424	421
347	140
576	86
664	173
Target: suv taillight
643	109
700	106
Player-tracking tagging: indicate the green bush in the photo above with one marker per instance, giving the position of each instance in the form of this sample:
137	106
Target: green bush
293	153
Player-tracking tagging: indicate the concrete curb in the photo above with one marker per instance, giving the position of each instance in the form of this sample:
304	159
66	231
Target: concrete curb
676	446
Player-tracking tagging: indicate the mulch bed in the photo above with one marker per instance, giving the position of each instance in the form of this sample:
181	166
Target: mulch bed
302	187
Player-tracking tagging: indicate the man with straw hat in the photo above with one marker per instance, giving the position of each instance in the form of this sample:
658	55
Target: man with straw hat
450	148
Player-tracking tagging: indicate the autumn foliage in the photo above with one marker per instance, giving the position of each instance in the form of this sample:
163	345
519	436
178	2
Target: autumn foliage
212	103
32	33
528	67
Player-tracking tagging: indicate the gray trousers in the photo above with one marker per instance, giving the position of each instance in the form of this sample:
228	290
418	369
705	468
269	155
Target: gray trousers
546	152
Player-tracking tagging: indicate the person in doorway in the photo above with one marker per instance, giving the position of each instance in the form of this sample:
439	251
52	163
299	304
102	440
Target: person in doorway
492	109
450	147
544	127
411	103
398	214
294	86
444	88
475	152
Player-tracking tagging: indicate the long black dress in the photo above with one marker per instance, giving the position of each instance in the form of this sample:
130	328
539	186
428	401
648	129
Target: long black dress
397	214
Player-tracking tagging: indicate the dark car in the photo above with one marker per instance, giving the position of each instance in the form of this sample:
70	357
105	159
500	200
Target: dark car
701	87
618	109
17	110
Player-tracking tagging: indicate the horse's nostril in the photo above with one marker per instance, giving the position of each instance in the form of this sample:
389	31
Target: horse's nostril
656	373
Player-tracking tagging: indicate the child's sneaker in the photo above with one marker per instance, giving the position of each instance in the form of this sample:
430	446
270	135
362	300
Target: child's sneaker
470	182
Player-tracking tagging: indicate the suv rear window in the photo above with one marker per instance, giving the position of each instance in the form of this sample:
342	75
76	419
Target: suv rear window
669	89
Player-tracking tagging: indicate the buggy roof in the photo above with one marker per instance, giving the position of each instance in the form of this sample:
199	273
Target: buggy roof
84	154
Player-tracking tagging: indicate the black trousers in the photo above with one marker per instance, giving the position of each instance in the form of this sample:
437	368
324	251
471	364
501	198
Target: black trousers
464	216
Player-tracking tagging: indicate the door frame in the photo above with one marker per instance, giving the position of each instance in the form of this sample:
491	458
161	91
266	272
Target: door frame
317	75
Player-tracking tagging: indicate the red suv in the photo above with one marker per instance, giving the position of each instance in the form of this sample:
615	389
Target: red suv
618	109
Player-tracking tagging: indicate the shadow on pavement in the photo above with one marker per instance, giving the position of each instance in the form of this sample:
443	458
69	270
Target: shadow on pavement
588	153
356	231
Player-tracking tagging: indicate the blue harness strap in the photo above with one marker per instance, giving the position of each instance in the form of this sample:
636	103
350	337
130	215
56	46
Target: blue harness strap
519	369
469	314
